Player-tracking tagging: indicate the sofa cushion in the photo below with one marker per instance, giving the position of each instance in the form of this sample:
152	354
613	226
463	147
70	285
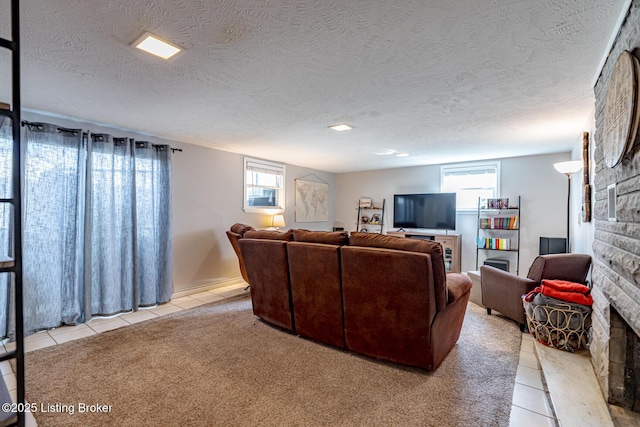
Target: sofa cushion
340	238
269	235
241	228
376	240
432	248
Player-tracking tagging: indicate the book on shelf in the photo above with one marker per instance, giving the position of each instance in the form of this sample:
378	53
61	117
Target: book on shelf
494	243
500	223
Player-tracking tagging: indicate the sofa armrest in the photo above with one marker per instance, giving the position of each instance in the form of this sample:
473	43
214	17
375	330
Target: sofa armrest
502	291
503	282
447	323
457	285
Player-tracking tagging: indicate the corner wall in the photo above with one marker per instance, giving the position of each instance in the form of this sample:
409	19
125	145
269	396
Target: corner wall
582	232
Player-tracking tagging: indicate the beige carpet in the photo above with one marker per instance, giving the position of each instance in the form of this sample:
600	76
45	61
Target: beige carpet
218	365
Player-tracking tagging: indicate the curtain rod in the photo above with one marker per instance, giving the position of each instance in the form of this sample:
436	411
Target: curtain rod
59	128
87	133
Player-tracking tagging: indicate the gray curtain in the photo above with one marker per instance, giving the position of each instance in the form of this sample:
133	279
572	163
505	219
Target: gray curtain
153	223
129	225
110	222
53	205
6	143
97	226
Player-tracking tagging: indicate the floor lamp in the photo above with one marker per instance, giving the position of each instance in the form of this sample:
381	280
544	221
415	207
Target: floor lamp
568	168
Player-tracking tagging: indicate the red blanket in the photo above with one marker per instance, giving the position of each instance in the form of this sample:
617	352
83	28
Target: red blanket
567	291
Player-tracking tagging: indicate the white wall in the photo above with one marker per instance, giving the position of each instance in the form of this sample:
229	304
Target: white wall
542	189
207	200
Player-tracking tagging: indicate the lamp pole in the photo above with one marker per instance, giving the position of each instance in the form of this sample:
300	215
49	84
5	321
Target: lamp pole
568	248
568	168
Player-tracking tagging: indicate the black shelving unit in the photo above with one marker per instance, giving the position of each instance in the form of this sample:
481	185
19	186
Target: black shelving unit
12	263
499	228
374	215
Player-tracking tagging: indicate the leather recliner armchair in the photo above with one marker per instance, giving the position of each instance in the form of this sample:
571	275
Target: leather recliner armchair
502	291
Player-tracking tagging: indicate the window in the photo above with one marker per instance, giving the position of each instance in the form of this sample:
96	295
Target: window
470	181
263	186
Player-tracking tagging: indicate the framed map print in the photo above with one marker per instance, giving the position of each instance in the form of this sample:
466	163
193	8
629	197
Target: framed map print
312	201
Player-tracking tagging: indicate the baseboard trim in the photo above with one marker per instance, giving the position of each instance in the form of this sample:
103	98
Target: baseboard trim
208	287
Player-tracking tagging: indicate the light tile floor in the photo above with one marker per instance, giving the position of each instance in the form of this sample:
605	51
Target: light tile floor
531	405
97	325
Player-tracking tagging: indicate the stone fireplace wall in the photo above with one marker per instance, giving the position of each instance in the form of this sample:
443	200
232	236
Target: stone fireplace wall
616	246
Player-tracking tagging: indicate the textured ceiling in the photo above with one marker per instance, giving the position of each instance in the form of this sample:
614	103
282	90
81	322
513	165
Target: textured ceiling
441	80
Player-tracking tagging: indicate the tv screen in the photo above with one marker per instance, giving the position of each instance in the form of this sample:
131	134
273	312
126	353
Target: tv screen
434	211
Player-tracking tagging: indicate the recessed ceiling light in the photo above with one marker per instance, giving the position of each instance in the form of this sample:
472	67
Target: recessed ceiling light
156	46
402	154
379	151
340	127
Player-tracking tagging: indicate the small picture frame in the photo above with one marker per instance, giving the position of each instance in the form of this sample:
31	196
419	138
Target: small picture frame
365	203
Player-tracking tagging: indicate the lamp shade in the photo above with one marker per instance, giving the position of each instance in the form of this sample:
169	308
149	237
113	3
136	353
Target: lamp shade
569	167
277	220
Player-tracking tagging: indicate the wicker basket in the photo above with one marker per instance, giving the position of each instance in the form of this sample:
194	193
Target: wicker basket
559	325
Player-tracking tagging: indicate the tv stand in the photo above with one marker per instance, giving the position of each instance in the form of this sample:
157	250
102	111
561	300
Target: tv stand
451	246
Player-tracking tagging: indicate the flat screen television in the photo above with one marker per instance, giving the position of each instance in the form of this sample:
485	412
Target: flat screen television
433	211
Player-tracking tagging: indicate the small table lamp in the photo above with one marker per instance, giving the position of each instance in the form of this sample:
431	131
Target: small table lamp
277	221
568	168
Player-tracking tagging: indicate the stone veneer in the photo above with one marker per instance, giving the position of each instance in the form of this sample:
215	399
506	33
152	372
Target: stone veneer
616	246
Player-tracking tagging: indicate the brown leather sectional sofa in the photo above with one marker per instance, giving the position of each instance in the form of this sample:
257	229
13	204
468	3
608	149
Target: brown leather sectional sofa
235	233
381	296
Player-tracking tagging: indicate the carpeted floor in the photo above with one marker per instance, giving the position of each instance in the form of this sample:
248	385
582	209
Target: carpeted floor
219	365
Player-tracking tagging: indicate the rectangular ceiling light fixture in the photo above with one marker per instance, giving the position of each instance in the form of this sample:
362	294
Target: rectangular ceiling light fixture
340	127
156	46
